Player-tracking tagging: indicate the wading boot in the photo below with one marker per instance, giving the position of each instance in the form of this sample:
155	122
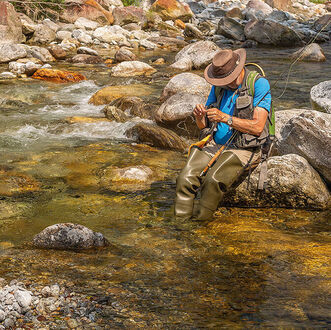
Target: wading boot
188	183
217	181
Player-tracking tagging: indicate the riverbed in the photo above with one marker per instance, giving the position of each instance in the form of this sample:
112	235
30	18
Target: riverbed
246	268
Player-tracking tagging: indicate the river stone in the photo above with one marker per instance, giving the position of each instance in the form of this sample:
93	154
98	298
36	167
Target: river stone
257	9
86	24
320	96
280	4
43	34
87	50
311	53
132	173
7	75
82	36
167	42
292	183
176	113
127	15
192	31
124	54
186	83
67	236
111	93
11	52
132	68
230	28
184	64
172	10
62	35
2	315
135	106
147	44
10	24
308	135
40	53
169	30
271	33
110	33
115	114
200	53
57	76
23	298
28	25
87	59
57	52
157	136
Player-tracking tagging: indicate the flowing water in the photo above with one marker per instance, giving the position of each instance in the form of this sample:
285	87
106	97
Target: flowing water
247	268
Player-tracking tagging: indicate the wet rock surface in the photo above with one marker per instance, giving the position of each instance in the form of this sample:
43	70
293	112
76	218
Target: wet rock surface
68	236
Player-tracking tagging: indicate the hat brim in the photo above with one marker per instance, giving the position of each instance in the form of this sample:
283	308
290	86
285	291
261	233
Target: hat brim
232	76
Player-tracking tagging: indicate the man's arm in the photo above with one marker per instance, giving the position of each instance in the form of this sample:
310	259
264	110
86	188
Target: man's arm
251	126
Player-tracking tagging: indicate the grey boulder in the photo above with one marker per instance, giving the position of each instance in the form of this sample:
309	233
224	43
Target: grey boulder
320	96
11	52
67	236
230	28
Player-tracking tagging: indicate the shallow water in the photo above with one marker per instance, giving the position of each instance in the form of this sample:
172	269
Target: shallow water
247	268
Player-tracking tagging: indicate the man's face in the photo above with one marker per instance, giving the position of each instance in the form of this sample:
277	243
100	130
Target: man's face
235	83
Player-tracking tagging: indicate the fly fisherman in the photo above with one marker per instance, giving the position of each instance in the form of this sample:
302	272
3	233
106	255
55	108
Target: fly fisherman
237	114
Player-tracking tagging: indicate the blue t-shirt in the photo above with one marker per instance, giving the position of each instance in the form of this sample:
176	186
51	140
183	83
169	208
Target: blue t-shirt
224	131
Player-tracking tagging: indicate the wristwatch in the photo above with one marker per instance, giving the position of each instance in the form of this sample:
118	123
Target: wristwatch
229	121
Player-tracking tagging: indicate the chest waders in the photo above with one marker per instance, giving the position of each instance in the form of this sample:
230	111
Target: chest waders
227	168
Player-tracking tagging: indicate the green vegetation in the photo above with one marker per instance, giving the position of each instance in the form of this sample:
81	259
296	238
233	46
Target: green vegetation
318	1
131	2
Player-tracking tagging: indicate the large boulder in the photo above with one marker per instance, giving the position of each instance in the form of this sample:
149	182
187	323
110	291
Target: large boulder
69	236
230	28
132	68
189	83
86	24
199	54
310	53
28	25
320	96
257	9
172	10
291	183
176	113
40	53
10	24
11	52
43	34
271	33
130	14
308	135
110	34
157	136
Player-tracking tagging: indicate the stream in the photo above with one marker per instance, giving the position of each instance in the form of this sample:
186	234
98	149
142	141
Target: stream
246	268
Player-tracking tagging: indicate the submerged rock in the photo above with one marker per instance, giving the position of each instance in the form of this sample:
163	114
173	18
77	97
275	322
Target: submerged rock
157	137
311	53
132	68
124	54
58	76
309	135
292	183
87	59
113	113
67	236
320	96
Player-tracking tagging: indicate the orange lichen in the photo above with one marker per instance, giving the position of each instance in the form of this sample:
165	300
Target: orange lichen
58	76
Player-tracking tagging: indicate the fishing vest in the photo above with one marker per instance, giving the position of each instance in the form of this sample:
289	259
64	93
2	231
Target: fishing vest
244	109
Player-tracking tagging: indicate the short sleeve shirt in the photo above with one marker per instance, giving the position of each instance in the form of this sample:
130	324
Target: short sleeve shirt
261	92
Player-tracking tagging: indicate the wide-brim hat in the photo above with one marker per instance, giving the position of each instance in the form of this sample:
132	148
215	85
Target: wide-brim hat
225	67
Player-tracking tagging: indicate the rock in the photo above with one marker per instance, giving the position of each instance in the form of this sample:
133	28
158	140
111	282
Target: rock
192	32
17	184
111	93
159	61
189	83
43	34
271	33
127	15
2	315
11	52
200	54
176	113
82	36
72	323
132	68
167	42
67	236
7	75
52	25
110	33
280	4
57	52
311	53
278	15
322	22
79	119
230	28
23	298
57	76
86	24
184	64
124	54
147	44
196	7
292	183
320	96
172	10
62	35
308	135
115	114
137	173
135	106
88	51
132	27
235	13
40	53
87	59
168	30
10	24
180	24
28	68
28	25
157	136
257	9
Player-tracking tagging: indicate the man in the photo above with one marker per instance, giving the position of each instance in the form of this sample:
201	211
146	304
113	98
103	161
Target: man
238	121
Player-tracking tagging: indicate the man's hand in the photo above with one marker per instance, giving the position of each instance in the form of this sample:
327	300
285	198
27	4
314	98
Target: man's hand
216	115
199	113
